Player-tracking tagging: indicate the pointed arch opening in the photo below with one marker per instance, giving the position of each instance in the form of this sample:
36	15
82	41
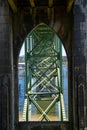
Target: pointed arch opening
43	77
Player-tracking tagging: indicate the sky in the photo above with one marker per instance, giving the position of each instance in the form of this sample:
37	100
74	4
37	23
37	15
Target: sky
63	51
23	49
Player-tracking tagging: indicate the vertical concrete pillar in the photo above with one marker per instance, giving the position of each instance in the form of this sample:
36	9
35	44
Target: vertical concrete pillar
5	65
79	64
86	75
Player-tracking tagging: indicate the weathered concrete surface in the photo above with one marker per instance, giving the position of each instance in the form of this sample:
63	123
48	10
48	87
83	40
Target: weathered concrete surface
72	29
79	64
44	125
5	66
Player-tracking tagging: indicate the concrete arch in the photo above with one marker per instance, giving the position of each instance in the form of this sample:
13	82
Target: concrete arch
23	25
62	25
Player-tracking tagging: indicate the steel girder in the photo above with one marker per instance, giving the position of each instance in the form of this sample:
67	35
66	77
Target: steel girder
43	59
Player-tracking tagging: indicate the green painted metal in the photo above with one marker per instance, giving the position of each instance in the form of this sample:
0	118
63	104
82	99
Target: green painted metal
43	60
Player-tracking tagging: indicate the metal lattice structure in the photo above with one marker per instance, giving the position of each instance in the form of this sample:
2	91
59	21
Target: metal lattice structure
43	59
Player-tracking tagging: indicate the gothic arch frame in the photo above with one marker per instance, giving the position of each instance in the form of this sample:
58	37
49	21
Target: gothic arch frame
64	32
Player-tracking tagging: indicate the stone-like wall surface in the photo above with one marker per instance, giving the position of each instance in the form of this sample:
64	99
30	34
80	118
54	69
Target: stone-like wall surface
79	64
78	68
5	65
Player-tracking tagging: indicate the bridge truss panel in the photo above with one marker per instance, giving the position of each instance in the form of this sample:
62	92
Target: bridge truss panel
44	91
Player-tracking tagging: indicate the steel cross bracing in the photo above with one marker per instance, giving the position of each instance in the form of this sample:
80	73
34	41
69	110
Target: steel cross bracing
43	59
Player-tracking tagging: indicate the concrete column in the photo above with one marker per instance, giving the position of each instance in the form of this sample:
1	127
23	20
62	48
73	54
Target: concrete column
5	66
79	64
86	75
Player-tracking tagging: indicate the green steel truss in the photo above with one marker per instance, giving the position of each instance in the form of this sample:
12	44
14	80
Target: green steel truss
43	59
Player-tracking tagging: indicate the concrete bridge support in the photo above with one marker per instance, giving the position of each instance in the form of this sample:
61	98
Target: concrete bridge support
79	65
73	32
5	66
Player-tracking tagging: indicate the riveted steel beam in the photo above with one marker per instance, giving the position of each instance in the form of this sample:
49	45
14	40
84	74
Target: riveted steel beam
13	5
50	3
69	5
43	66
32	3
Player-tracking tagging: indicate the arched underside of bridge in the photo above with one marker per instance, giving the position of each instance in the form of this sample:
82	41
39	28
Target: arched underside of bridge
17	21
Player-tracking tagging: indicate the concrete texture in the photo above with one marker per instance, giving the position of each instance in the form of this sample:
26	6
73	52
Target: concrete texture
72	29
